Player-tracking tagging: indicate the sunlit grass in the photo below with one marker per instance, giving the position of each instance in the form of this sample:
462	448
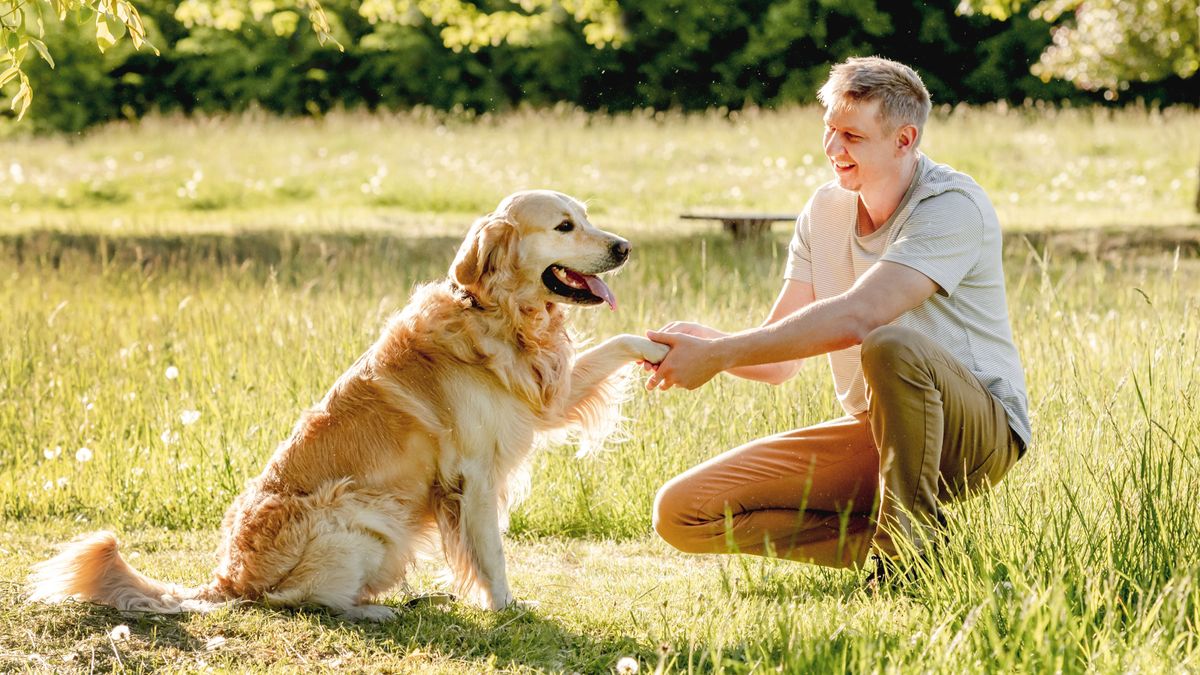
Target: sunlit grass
150	366
1082	167
179	372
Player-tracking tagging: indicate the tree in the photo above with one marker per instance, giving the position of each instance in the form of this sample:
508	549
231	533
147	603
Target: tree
1106	44
464	24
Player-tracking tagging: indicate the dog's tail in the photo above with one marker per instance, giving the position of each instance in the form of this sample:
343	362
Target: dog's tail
91	569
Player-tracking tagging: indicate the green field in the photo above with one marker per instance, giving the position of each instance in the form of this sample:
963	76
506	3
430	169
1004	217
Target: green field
159	344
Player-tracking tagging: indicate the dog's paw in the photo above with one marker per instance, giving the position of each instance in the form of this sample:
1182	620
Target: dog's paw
430	600
512	604
375	613
647	350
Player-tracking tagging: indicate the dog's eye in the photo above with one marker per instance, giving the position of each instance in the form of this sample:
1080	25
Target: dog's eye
565	226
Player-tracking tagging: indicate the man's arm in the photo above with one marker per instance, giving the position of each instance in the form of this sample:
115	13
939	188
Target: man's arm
881	295
794	296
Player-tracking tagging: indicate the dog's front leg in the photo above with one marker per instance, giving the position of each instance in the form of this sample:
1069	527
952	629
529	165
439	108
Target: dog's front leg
481	537
593	367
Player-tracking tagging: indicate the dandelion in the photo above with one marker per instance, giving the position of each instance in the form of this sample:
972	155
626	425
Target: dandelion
52	453
627	665
215	642
172	373
83	455
189	417
48	485
168	437
119	633
61	482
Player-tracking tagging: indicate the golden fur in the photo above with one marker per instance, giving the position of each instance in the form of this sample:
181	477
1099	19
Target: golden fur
421	442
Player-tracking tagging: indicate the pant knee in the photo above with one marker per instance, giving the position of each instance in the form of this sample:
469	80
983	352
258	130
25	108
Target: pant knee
670	504
886	349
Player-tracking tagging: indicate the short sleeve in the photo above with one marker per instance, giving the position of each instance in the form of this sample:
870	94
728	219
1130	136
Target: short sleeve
799	262
942	239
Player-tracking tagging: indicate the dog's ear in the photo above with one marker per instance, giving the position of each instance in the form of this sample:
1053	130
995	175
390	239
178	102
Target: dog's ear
489	242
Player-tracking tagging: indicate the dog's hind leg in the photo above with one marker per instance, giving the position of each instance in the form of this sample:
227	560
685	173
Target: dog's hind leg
469	521
333	572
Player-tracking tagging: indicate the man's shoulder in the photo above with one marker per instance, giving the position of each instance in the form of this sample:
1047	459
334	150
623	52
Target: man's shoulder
939	178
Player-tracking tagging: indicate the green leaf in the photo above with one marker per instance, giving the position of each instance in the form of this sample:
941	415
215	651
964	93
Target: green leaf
9	74
41	49
105	38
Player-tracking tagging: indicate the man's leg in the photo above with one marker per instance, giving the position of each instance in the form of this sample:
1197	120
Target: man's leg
807	495
940	433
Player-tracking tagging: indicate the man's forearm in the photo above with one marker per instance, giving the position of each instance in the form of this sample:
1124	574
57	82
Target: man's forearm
818	328
771	373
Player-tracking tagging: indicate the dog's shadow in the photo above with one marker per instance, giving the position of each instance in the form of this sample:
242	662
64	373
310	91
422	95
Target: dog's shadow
427	634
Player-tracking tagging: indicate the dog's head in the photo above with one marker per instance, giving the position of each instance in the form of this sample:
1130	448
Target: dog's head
540	246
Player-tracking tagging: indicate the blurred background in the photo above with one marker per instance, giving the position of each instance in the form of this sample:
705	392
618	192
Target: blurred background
598	55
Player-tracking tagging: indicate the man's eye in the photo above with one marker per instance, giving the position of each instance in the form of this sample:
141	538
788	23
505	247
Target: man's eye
565	226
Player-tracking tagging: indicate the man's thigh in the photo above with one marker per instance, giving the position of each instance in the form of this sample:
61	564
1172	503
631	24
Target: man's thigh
978	446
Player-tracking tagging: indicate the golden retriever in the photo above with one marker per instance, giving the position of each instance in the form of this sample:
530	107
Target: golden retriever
422	441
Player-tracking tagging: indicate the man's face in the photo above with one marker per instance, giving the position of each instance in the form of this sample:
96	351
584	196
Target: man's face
863	153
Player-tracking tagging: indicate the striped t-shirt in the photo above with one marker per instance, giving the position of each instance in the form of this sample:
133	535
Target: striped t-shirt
945	228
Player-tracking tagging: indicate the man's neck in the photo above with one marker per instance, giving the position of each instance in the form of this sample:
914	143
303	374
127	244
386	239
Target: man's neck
875	208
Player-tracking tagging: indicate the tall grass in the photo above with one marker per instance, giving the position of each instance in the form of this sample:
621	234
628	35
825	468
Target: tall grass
147	372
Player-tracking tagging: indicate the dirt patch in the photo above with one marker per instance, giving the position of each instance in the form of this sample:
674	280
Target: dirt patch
1111	242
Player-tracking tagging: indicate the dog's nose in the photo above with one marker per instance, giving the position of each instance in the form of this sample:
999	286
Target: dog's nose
620	249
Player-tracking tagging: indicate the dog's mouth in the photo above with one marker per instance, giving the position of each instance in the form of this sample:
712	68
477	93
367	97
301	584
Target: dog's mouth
576	287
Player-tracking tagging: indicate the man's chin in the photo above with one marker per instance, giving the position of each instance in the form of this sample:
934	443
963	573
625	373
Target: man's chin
849	183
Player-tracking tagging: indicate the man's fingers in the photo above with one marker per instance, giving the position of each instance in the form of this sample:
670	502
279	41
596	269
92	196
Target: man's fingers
668	339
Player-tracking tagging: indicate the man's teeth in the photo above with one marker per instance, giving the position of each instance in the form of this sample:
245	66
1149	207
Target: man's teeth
562	276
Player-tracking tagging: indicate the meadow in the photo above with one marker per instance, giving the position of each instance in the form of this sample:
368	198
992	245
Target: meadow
175	292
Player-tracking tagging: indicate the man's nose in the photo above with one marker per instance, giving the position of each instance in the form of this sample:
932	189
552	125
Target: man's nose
832	148
620	249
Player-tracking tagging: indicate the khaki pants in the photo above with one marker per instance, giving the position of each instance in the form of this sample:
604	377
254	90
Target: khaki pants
825	494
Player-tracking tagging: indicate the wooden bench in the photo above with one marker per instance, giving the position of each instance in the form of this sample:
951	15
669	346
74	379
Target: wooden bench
743	225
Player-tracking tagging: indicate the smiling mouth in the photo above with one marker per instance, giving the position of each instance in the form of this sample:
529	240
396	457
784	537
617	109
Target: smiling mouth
578	288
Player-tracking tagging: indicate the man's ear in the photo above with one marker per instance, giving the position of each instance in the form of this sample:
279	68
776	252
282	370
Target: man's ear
906	138
488	243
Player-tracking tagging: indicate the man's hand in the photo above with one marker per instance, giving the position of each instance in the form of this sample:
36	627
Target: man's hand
692	360
684	328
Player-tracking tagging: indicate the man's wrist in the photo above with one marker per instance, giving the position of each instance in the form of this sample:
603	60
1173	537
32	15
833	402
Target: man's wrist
725	352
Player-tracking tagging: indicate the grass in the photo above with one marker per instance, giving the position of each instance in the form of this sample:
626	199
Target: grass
1085	559
424	171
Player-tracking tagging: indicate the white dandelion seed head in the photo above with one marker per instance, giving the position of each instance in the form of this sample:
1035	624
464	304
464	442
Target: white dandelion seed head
168	437
48	485
52	453
61	482
83	455
189	417
627	665
172	373
119	633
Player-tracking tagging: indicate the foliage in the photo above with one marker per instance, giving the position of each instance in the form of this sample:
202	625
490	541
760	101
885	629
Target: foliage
463	24
1104	44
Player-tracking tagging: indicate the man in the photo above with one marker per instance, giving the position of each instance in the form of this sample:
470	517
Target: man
895	272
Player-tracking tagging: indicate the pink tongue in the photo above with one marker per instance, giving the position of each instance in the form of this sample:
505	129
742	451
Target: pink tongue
600	289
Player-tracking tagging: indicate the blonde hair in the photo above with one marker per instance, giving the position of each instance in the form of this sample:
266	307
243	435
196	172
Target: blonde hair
903	98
